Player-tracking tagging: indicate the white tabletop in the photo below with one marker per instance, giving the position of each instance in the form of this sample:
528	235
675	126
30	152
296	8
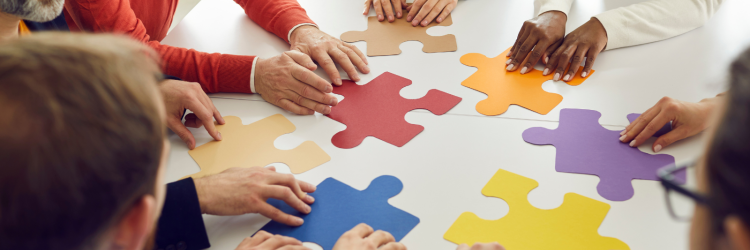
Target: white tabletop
445	167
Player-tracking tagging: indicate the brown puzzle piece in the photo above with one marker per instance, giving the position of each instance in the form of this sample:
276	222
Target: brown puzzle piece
383	38
252	145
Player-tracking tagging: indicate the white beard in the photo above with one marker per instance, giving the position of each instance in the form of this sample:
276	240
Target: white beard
33	10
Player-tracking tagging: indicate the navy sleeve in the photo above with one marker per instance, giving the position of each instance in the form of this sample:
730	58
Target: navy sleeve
181	223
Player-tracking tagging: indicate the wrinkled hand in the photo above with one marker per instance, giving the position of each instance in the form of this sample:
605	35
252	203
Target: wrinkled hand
287	81
239	191
687	120
385	8
263	240
422	12
585	41
538	38
362	237
181	95
328	50
481	246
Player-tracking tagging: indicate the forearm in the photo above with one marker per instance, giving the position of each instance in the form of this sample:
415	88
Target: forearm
654	20
276	16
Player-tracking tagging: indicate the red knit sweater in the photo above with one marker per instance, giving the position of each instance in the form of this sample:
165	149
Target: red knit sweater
148	21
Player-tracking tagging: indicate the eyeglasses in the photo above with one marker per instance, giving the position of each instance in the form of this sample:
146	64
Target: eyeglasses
680	194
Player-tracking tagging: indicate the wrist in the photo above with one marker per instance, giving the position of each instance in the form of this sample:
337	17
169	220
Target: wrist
200	189
602	31
258	73
299	32
555	14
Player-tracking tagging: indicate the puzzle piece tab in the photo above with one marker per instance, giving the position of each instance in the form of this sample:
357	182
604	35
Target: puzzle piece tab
505	88
384	38
252	146
585	147
339	207
574	225
377	109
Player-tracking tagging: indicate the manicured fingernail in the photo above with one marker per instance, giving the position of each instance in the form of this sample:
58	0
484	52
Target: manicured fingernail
557	77
508	61
624	132
632	143
220	138
567	77
523	70
622	138
439	19
657	148
546	59
509	67
424	23
546	71
584	74
399	15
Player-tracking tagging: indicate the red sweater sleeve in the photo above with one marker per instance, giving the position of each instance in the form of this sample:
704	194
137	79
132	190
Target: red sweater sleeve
275	16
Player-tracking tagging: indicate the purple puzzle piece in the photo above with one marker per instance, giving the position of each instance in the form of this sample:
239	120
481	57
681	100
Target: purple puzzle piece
585	147
663	130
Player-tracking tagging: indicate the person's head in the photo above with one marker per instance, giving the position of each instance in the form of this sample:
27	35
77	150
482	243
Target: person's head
82	144
33	10
723	174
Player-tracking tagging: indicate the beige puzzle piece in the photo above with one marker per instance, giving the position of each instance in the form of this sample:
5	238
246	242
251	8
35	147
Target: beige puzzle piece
252	145
384	38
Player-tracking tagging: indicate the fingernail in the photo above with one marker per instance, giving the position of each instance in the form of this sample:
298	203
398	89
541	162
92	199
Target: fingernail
657	148
546	71
583	74
380	17
398	14
328	89
415	22
307	208
338	81
624	132
622	138
424	23
408	18
557	77
567	77
508	61
365	68
220	138
311	65
310	198
326	110
390	18
523	71
366	10
632	143
439	19
509	67
546	59
298	220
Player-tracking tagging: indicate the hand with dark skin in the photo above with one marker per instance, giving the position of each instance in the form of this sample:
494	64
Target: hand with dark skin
587	42
538	38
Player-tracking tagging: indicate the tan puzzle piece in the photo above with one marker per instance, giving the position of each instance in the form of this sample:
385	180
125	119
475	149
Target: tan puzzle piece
384	38
252	145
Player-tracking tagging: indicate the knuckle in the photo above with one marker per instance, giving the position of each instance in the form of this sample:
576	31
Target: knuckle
672	107
536	53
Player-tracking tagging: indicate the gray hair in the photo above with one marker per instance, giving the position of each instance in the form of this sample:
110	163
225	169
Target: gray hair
33	10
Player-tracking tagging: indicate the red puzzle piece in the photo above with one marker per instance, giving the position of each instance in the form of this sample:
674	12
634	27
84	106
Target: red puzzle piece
377	109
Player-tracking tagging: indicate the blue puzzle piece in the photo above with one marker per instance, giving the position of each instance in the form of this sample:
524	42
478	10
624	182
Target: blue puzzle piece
339	207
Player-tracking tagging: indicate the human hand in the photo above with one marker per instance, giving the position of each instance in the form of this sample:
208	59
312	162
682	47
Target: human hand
481	246
181	95
287	81
425	11
239	191
263	240
328	50
585	41
362	237
543	34
385	7
687	120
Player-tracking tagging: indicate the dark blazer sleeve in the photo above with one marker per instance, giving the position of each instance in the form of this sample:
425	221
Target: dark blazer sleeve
181	223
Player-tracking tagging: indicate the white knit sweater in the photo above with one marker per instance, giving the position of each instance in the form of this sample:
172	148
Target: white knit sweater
645	22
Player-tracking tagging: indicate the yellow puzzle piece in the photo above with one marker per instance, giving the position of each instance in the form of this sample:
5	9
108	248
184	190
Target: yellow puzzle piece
252	145
574	225
505	88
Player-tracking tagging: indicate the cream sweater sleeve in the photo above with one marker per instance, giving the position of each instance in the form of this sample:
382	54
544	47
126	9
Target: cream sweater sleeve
654	20
547	5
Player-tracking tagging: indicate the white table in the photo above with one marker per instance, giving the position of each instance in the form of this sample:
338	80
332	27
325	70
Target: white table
445	167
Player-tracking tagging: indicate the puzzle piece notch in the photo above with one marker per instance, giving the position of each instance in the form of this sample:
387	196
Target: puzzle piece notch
384	38
378	109
585	147
574	225
339	207
666	129
252	145
505	88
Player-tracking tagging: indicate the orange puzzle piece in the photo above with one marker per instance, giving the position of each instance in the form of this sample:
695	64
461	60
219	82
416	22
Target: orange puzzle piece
504	88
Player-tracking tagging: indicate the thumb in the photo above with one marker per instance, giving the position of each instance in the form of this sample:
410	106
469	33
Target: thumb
178	128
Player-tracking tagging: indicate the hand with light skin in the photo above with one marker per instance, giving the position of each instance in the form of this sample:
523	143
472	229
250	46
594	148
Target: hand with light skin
538	38
239	191
363	237
287	81
181	95
422	12
386	8
481	246
687	119
263	240
587	41
327	51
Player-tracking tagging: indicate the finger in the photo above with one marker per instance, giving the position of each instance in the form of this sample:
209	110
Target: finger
258	238
285	194
288	181
286	104
311	79
302	59
178	128
346	62
393	246
670	137
306	187
362	230
534	56
294	247
637	126
192	121
328	65
278	241
378	10
398	7
415	7
590	58
423	12
463	247
522	53
277	215
207	117
380	237
316	106
447	11
576	63
651	128
563	60
210	104
547	54
433	13
522	34
361	56
305	88
367	7
388	8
